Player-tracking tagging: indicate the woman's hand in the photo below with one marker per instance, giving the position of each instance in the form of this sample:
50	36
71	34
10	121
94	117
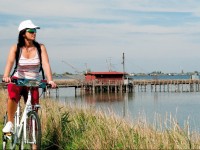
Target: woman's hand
53	84
6	79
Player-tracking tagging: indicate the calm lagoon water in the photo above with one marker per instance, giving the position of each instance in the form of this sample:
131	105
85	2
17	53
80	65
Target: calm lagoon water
183	106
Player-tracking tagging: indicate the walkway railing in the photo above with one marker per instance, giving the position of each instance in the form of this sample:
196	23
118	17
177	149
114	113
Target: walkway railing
179	85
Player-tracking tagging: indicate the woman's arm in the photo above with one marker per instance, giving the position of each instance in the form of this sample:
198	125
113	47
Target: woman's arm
9	63
46	66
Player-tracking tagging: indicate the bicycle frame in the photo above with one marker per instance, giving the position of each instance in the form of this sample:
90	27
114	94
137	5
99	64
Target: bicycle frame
20	122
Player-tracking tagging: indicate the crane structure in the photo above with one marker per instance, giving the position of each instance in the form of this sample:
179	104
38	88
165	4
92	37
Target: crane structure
75	69
109	64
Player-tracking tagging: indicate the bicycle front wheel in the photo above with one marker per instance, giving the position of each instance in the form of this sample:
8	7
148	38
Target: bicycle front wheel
31	138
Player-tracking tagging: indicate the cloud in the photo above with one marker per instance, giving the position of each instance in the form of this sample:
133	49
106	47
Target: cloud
95	8
93	30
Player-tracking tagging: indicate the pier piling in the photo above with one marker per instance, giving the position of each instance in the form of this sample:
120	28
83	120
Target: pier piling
139	85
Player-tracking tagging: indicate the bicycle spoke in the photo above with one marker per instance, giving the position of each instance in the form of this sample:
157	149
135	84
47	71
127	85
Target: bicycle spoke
33	131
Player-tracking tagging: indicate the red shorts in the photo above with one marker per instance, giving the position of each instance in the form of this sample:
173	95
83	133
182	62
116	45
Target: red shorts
15	92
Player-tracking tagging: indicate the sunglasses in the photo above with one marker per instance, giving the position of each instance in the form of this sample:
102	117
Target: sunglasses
31	30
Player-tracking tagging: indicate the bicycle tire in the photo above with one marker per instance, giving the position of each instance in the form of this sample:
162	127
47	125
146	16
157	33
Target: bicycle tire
33	132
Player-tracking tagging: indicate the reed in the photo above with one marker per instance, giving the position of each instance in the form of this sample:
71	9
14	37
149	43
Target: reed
81	127
75	127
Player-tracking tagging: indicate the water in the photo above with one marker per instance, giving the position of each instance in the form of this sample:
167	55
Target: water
182	106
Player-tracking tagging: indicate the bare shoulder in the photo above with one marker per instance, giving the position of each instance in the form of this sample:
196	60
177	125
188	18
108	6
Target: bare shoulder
42	46
13	48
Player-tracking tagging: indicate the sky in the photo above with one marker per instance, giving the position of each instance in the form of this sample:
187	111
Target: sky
154	35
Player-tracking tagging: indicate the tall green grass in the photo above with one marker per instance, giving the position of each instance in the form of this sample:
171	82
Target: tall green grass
81	127
73	127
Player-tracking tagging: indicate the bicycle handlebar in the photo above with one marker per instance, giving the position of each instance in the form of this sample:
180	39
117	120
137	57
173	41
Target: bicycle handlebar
30	82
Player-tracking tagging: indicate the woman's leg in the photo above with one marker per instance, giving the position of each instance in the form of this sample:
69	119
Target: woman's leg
13	98
11	109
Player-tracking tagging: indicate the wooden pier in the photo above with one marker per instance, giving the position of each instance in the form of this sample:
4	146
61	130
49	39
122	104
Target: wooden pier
132	85
188	85
94	86
108	86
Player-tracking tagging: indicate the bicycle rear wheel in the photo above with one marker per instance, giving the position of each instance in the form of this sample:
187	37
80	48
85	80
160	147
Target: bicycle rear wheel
33	132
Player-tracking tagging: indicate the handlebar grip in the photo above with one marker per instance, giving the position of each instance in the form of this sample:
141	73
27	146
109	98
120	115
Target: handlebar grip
48	85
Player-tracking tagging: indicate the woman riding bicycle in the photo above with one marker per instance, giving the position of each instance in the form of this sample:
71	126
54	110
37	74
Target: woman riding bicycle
28	67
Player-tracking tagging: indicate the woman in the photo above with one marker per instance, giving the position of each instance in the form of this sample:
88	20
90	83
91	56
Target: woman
28	67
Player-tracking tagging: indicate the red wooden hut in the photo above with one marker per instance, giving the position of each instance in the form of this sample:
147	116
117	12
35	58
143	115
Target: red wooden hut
105	76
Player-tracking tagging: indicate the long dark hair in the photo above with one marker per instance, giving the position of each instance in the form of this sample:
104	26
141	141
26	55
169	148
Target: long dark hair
21	41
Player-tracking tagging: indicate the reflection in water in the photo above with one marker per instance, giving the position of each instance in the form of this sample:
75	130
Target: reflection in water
103	97
115	102
125	110
110	98
130	105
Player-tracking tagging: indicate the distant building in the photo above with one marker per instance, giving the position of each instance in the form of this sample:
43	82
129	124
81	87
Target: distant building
195	76
105	76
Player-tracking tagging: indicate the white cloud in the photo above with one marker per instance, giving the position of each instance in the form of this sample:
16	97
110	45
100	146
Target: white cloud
94	30
94	8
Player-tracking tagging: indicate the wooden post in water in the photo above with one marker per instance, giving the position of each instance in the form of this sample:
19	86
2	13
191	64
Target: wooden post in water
160	87
57	92
93	87
115	88
196	87
182	87
178	87
164	87
167	87
191	87
75	91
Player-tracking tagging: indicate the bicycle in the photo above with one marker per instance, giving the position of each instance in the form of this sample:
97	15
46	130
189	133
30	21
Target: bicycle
27	131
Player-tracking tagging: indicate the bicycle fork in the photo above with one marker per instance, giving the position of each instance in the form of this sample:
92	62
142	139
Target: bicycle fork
21	125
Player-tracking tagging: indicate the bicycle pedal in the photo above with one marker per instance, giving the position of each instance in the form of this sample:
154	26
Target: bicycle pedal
8	135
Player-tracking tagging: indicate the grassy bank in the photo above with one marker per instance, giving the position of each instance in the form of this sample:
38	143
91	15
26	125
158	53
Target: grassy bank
72	127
